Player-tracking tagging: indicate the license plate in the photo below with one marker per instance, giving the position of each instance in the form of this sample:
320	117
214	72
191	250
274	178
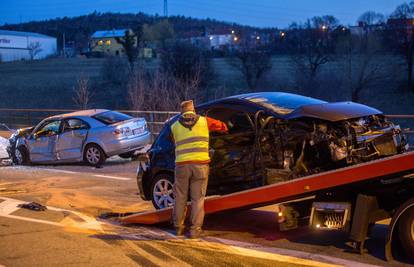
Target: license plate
138	131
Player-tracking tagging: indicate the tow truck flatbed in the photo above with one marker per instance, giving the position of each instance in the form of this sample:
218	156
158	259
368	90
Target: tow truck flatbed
289	190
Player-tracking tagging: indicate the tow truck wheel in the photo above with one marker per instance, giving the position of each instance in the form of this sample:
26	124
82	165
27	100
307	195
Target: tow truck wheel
21	156
162	191
406	232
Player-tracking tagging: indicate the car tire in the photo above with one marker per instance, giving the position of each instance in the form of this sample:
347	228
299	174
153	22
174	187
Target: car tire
21	156
162	195
94	155
406	233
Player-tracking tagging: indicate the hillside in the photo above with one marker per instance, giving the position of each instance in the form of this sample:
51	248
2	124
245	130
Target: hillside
79	29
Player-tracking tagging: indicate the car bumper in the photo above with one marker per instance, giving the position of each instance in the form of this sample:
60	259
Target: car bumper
128	144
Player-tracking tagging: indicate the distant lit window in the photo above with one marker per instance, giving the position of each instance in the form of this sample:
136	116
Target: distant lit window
100	42
108	42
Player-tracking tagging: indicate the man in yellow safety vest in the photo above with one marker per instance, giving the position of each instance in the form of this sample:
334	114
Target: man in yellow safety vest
191	137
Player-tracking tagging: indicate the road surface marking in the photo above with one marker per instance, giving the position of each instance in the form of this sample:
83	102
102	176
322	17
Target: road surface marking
25	168
112	177
9	205
243	247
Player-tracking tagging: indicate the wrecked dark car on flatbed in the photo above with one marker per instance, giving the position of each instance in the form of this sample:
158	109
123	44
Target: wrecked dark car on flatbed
274	137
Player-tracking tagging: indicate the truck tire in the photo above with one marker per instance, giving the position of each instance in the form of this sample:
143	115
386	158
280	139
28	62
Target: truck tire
162	191
406	232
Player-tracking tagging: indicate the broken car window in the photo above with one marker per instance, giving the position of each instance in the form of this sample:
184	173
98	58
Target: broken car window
74	124
48	129
236	121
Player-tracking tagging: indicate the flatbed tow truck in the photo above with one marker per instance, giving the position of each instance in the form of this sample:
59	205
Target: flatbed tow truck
351	199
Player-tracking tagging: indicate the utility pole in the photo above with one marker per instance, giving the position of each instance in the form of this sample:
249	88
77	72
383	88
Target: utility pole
165	8
64	45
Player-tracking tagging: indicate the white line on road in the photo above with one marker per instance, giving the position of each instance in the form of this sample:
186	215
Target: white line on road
112	177
21	168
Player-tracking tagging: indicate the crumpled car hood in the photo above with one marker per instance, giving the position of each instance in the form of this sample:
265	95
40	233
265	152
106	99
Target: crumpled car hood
334	111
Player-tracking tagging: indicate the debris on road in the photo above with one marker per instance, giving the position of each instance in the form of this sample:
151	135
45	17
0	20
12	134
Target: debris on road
33	206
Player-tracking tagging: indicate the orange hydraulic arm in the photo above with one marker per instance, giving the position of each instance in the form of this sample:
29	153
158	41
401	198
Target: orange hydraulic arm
289	190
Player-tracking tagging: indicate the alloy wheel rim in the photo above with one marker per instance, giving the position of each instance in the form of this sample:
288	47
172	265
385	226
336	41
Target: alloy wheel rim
93	155
19	157
163	194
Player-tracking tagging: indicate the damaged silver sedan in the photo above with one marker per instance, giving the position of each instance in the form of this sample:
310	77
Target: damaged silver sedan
90	136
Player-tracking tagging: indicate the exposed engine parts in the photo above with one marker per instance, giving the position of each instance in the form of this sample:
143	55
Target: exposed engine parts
310	146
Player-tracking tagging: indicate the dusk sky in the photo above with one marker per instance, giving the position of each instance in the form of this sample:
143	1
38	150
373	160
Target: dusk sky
262	13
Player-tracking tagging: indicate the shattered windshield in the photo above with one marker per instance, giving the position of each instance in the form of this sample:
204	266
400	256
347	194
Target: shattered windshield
281	103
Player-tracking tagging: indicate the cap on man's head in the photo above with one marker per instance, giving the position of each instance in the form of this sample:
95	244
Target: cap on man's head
187	106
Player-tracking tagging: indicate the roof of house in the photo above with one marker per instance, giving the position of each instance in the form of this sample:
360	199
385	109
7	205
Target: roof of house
110	33
25	34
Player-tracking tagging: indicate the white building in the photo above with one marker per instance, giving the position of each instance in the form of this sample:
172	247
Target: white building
217	41
25	45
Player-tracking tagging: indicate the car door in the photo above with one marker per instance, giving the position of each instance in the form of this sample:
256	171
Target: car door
42	143
232	163
71	139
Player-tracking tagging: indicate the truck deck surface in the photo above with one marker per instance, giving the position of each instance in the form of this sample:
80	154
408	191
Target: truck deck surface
288	190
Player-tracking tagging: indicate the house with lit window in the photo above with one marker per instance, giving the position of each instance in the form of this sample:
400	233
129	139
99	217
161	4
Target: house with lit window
105	42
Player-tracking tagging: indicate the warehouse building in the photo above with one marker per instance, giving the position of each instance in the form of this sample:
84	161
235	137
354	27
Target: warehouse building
16	45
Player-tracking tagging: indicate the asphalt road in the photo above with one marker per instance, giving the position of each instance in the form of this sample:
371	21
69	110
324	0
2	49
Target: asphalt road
69	233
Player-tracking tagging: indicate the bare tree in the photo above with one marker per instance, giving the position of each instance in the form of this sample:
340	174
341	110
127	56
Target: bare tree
314	48
189	66
253	63
153	91
400	35
360	64
371	18
82	94
34	49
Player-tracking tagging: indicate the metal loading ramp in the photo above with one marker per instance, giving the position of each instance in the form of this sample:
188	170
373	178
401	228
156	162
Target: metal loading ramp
289	190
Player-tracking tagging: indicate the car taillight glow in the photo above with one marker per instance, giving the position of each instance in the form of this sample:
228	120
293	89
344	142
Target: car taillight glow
123	131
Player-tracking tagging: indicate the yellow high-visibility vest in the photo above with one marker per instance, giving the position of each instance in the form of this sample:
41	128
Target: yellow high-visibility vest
191	145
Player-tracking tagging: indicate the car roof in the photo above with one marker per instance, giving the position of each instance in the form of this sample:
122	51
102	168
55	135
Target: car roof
80	113
280	106
291	106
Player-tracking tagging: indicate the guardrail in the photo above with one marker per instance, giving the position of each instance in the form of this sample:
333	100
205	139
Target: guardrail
155	119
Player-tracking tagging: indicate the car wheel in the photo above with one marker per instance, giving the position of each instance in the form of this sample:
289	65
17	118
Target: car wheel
162	191
21	156
94	155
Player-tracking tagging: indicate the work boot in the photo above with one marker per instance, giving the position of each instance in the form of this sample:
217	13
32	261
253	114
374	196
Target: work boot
179	231
196	233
